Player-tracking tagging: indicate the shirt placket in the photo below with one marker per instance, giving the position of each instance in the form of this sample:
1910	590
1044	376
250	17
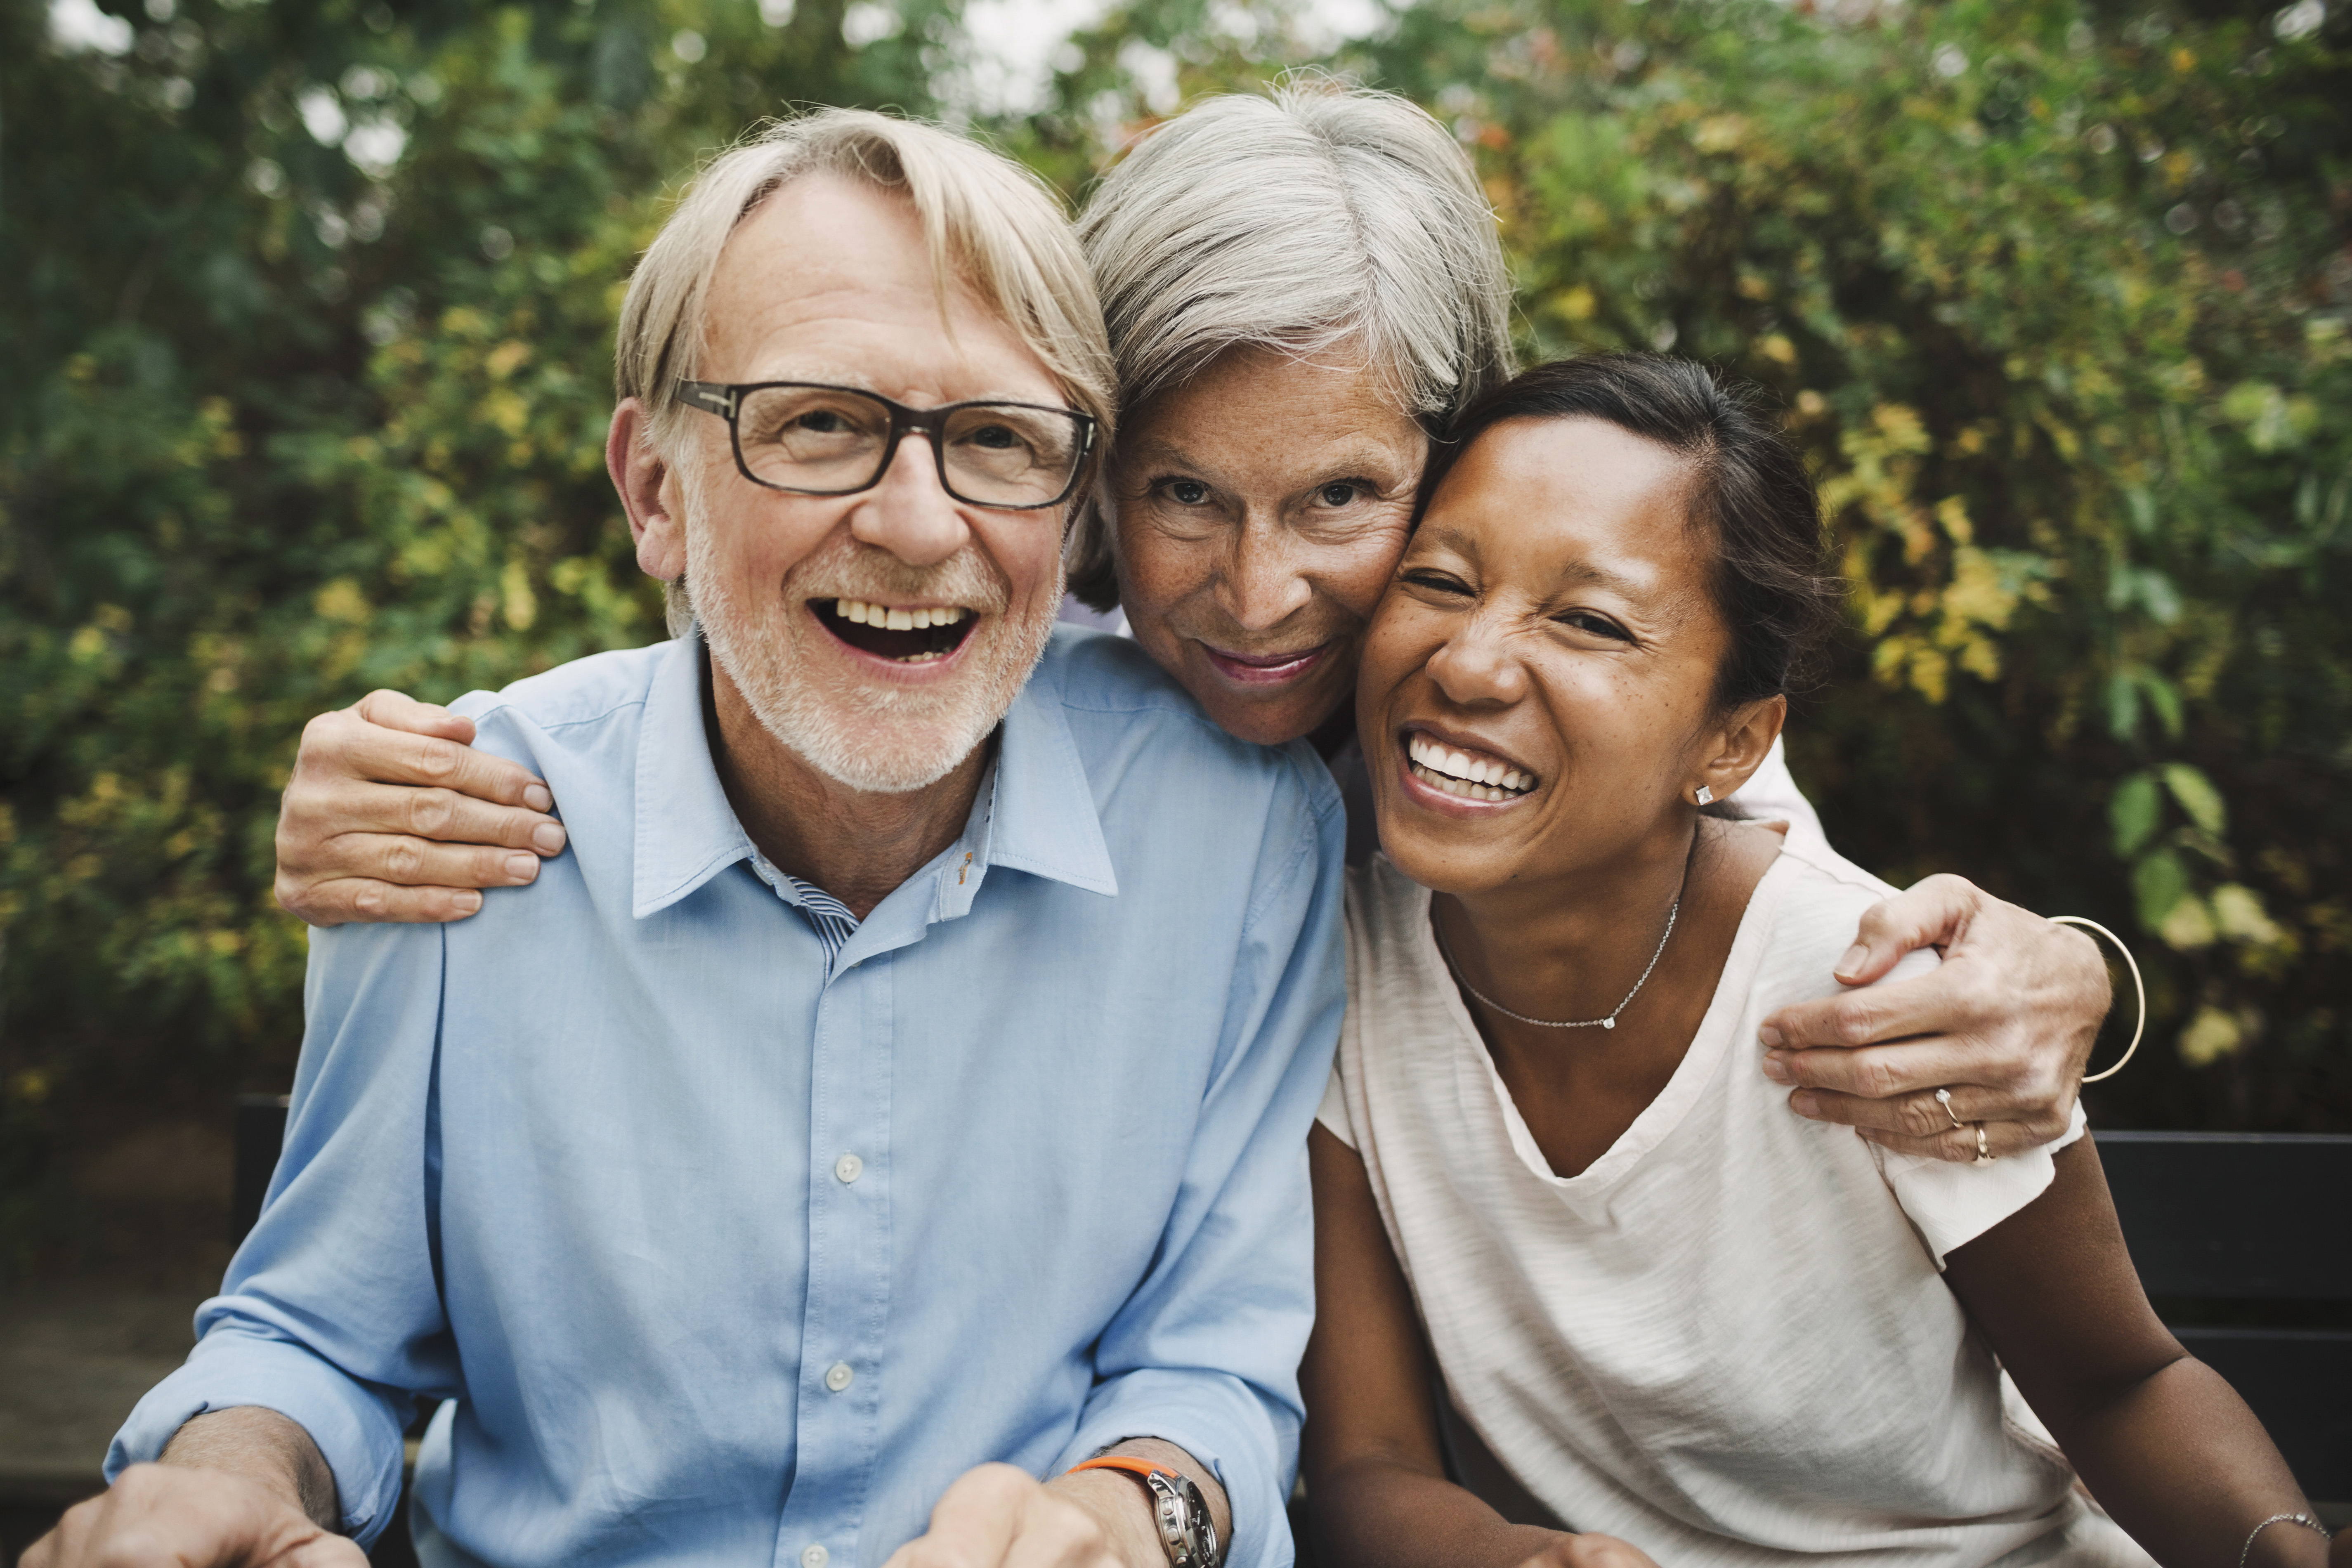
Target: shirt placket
844	1317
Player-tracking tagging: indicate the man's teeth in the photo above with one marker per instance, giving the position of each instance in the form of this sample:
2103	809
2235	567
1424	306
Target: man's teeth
1455	773
860	613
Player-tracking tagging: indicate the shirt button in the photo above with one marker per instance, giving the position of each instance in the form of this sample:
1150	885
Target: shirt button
814	1555
838	1376
849	1167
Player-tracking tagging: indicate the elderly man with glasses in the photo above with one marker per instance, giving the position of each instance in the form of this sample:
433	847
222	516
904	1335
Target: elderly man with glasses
909	1066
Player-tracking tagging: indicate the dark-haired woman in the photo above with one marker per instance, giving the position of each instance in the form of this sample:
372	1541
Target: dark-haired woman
1661	1311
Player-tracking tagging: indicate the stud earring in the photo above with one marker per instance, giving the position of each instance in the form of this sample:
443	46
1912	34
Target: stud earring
1705	796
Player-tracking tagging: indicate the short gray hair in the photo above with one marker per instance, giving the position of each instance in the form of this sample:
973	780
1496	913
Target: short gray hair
1315	218
988	223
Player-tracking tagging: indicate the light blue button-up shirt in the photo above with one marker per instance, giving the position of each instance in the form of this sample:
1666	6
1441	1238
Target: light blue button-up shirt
722	1250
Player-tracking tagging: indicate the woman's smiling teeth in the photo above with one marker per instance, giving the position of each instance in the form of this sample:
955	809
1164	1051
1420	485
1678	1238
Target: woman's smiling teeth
1458	772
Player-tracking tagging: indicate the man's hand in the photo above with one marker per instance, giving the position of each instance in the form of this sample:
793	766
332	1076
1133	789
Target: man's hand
238	1488
2006	1023
1589	1551
999	1517
391	814
176	1516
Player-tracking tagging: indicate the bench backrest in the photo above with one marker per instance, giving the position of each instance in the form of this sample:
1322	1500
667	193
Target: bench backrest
2253	1217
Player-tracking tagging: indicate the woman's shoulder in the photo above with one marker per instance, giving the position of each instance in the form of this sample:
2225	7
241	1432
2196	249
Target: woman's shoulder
1386	908
1813	900
1394	979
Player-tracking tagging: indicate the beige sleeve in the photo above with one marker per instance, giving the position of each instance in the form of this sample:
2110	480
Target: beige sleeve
1951	1205
1332	1115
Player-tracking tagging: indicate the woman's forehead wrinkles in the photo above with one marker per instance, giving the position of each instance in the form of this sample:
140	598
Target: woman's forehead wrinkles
1347	454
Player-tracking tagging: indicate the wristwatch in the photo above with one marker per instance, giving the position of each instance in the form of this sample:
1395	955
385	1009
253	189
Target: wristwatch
1187	1534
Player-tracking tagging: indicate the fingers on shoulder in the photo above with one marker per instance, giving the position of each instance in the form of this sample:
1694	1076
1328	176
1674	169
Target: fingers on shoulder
393	710
1930	910
1871	1073
1958	1146
349	900
347	743
1827	1027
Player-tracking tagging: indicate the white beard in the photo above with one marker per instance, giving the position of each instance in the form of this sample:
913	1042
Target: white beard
868	736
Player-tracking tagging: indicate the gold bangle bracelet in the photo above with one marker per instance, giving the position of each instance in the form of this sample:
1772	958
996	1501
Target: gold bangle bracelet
2140	990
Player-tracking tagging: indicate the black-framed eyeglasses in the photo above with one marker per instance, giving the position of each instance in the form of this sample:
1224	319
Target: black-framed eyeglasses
817	440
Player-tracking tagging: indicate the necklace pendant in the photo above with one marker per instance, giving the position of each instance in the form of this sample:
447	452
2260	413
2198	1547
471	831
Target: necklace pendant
1607	1023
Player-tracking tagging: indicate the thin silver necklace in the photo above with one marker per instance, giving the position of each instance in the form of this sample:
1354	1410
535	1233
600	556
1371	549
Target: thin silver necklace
1607	1023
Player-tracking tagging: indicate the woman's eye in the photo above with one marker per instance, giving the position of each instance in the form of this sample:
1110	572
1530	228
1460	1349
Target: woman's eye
1338	494
1436	581
1185	492
1599	626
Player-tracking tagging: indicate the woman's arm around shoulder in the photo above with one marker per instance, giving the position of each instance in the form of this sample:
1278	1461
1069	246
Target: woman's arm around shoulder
392	815
1375	1472
2006	1023
2165	1446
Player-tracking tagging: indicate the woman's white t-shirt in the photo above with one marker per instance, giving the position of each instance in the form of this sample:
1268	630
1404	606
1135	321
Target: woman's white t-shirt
1728	1340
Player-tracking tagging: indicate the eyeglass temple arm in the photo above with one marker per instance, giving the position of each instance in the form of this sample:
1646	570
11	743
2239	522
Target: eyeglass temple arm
719	400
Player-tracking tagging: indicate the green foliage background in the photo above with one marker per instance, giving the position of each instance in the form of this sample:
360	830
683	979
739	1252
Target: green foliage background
307	341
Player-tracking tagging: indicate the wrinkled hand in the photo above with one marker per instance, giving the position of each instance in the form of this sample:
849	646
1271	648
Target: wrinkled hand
1589	1551
391	814
2006	1022
179	1516
999	1517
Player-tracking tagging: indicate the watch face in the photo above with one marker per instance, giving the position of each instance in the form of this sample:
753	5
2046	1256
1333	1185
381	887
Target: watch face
1186	1531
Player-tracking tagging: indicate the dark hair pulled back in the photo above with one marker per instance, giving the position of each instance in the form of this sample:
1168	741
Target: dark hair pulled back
1772	579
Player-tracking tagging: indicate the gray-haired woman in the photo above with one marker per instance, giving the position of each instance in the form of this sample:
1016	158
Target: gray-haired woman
1301	288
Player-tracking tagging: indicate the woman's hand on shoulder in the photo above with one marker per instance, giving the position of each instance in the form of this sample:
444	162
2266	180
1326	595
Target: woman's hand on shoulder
391	814
1589	1551
2006	1022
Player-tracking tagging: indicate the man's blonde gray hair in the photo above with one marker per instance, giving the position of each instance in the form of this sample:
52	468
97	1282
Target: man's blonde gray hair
988	223
1314	219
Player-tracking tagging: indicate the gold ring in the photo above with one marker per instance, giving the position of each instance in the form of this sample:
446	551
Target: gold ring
1944	1099
1985	1156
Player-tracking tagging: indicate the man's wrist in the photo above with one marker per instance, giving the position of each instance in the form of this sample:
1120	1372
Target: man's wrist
1124	1506
265	1447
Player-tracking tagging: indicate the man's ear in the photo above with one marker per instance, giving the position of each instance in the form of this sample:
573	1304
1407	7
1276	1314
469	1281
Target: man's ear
1743	743
643	479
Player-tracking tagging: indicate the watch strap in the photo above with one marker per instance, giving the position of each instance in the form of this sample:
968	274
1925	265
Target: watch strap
1186	1531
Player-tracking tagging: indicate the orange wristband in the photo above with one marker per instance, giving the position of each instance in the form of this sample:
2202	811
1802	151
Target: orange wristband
1121	1462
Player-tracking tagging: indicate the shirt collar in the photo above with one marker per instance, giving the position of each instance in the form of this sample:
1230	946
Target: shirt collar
1035	814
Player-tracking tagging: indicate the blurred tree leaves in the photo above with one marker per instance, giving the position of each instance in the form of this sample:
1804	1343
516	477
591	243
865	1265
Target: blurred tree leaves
309	342
2056	295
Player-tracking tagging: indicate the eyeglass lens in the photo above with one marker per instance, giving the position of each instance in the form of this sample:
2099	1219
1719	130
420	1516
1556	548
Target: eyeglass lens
825	439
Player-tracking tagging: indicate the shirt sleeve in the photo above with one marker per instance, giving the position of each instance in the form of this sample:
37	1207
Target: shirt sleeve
330	1313
1951	1205
1204	1353
1770	794
1332	1114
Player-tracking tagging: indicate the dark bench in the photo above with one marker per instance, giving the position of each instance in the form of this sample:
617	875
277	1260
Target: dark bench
2243	1241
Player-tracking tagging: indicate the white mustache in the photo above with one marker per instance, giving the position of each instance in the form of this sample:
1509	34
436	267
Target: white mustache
878	577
